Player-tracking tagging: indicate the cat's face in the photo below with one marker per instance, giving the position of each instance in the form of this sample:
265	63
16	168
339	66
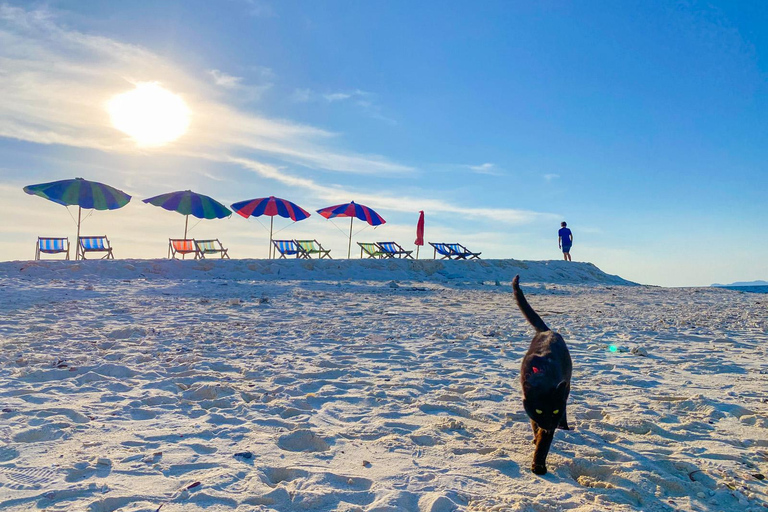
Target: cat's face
545	405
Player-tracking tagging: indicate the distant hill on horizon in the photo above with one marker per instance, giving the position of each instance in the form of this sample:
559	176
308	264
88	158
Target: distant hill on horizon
745	283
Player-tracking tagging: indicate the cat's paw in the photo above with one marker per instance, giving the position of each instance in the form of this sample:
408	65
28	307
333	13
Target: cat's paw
539	469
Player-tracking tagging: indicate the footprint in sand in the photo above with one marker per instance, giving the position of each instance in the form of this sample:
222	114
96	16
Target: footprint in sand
26	478
303	441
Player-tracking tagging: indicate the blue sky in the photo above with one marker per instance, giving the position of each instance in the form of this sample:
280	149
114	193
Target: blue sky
643	124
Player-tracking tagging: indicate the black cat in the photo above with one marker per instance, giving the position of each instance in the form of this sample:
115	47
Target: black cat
546	378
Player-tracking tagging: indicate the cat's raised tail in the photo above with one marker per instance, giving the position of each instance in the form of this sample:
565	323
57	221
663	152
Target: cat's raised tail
528	312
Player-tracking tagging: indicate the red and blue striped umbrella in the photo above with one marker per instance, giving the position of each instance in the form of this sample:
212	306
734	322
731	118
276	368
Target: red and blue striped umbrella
270	206
352	210
189	203
81	193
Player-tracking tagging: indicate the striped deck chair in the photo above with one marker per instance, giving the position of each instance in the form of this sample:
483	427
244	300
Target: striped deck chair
462	253
181	246
210	247
370	250
50	245
311	247
393	250
289	248
443	250
88	244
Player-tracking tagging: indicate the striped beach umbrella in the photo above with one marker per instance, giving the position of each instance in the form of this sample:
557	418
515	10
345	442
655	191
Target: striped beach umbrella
81	193
352	210
270	206
189	203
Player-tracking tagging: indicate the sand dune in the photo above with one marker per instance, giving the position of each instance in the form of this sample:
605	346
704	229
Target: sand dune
370	386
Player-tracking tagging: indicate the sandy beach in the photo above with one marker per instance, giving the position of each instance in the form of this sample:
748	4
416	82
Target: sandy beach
378	385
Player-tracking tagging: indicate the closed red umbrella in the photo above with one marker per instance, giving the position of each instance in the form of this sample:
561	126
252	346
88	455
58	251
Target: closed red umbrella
419	233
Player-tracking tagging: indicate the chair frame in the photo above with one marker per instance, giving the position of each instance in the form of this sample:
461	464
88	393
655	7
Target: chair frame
399	253
173	250
316	249
300	252
365	247
445	251
466	254
39	252
107	247
202	252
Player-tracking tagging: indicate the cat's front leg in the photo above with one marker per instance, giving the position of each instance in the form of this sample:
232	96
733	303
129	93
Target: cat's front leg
543	442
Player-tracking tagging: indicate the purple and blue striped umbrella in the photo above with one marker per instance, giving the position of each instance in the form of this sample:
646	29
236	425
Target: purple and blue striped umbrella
352	210
81	193
189	203
270	206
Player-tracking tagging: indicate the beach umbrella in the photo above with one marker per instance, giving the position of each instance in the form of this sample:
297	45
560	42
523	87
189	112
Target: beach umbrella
81	193
419	233
189	203
352	210
270	206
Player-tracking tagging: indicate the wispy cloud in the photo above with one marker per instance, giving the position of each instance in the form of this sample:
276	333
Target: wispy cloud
486	168
365	101
55	82
224	80
551	177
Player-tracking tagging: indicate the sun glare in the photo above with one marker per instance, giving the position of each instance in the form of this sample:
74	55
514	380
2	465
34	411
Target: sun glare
149	114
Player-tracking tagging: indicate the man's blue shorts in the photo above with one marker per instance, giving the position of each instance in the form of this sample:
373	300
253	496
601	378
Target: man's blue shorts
566	248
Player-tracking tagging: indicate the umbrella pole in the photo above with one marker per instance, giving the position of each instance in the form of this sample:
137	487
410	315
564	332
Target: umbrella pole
417	252
186	223
271	222
77	249
349	250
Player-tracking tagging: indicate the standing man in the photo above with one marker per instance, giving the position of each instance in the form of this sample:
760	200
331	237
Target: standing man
565	240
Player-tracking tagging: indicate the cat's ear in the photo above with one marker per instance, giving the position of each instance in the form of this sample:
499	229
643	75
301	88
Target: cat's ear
527	386
563	387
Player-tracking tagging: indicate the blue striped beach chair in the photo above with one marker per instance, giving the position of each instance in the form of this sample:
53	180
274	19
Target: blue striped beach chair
51	245
210	247
87	244
443	250
462	253
393	250
289	248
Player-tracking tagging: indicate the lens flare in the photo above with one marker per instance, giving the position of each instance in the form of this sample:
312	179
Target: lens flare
613	348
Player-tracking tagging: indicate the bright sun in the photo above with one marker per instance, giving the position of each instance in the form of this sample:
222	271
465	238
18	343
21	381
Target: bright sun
149	114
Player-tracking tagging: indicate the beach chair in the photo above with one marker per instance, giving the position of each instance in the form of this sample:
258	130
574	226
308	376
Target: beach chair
88	244
210	247
462	253
443	250
289	248
393	250
51	245
371	250
181	246
311	247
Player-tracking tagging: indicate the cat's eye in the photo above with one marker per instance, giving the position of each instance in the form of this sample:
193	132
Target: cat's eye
556	411
538	411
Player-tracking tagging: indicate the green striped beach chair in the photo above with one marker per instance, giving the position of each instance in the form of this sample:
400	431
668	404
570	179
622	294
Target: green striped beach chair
311	247
210	247
90	244
370	250
51	245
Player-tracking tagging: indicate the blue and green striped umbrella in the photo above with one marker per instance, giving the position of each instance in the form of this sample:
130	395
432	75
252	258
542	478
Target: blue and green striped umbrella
81	193
189	203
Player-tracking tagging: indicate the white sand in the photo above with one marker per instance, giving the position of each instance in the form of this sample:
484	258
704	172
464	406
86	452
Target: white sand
131	385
